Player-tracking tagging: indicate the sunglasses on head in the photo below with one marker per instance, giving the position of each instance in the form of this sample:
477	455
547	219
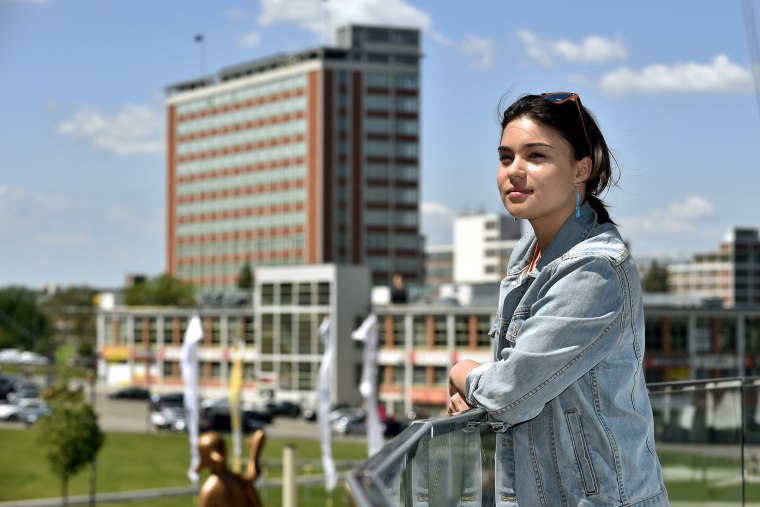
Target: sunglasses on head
561	98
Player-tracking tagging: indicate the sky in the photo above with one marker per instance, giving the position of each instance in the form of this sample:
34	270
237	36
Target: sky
82	112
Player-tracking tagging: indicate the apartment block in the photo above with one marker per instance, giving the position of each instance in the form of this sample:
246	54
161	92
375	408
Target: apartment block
309	157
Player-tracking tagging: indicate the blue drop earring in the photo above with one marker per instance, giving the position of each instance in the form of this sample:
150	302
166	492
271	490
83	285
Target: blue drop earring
577	203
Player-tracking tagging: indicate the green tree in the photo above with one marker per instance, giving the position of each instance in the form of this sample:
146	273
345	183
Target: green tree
245	277
163	290
22	324
656	278
72	313
70	436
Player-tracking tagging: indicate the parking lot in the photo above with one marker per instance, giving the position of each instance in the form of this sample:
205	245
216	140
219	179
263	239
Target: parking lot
122	415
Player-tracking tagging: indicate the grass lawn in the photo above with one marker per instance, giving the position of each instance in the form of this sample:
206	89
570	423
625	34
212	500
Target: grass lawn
131	461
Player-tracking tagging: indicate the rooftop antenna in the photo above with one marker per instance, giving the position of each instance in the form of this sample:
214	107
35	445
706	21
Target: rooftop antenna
754	48
200	40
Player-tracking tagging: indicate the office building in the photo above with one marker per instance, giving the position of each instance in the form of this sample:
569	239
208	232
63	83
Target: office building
479	253
283	349
304	158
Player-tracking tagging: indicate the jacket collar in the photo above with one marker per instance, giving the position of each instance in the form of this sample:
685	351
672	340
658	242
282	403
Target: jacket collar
573	231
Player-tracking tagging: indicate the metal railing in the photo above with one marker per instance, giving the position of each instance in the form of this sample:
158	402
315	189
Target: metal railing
707	435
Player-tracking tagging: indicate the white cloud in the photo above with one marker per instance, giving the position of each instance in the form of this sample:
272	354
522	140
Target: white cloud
534	48
315	15
250	40
482	49
592	49
441	39
679	217
720	75
134	130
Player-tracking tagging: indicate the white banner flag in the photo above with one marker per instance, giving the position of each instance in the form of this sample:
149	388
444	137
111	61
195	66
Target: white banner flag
189	365
367	333
323	406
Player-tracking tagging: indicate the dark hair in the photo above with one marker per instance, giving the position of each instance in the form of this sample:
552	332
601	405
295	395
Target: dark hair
564	119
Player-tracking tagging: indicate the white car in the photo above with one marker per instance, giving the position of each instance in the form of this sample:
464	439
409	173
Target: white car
11	411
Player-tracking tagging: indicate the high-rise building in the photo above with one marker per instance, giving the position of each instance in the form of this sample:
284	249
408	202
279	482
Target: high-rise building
302	158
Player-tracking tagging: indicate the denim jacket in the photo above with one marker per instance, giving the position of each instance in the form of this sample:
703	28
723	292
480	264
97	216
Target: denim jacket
567	378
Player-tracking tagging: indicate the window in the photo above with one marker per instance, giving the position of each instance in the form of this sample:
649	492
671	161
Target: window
377	79
267	334
407	81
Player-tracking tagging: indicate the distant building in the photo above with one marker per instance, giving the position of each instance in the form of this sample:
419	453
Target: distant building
283	351
686	338
303	158
480	252
732	273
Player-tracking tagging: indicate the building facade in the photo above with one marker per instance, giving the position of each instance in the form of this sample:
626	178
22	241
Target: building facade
732	273
418	344
282	345
303	158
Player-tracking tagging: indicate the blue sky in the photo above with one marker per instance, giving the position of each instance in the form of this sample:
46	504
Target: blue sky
82	157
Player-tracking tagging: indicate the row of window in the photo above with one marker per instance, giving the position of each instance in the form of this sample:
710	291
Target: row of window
273	220
402	172
270	198
402	149
389	217
273	87
399	241
252	135
238	116
248	179
242	246
400	195
383	80
294	294
259	156
374	125
383	103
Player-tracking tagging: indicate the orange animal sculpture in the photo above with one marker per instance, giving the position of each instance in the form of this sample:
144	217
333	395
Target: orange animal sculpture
225	488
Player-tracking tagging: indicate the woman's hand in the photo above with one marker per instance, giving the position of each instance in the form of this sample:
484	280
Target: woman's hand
457	384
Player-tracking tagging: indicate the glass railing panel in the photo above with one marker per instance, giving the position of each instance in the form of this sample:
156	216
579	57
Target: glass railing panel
698	428
707	435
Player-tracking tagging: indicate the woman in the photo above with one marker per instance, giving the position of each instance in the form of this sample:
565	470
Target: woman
567	376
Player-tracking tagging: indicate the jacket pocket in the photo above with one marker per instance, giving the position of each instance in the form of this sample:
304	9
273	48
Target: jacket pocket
582	455
519	317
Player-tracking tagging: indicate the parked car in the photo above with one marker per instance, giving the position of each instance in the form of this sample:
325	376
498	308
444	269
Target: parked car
215	415
10	411
173	399
169	417
284	407
24	390
30	413
130	393
340	418
7	385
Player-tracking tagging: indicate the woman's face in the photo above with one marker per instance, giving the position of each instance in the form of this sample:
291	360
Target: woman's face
538	174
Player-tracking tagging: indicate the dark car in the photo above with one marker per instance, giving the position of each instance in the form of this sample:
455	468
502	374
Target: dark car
130	393
286	408
251	420
23	391
174	399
